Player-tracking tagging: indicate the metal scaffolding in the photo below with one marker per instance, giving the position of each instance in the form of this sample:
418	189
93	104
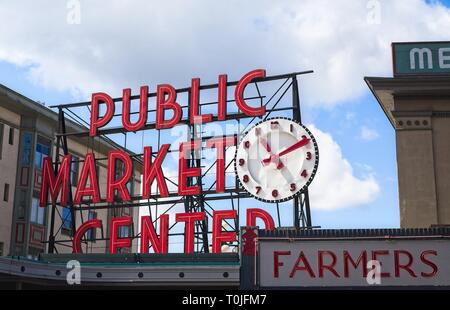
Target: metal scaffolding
205	201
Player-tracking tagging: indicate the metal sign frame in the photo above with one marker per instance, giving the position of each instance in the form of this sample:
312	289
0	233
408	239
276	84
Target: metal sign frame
199	203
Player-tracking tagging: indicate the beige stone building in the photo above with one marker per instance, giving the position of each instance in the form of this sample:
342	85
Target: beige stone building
27	135
418	108
9	146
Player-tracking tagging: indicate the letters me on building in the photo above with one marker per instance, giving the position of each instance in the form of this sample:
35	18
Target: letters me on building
424	58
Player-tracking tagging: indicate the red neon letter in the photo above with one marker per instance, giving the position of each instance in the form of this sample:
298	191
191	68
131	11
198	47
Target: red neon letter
329	267
114	241
153	170
54	184
143	105
120	184
162	104
91	224
220	144
184	172
88	171
100	122
161	244
195	118
252	214
406	266
429	263
362	259
306	266
189	219
239	93
375	255
222	100
220	237
276	262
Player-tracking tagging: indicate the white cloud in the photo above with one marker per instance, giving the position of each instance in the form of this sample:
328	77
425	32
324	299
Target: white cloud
368	134
335	186
122	44
350	116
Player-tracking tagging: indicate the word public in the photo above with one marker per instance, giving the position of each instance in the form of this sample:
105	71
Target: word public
166	97
56	183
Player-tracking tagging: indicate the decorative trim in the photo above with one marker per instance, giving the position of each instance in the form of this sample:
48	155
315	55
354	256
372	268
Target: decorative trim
445	114
36	241
249	236
351	233
37	180
20	227
24	173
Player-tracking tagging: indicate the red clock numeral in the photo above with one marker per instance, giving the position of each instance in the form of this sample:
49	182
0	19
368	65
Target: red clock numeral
245	178
293	187
304	137
292	128
247	144
258	131
275	193
258	189
274	125
308	156
304	174
241	162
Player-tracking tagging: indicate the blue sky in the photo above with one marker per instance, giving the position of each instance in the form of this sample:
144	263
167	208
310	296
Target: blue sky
54	62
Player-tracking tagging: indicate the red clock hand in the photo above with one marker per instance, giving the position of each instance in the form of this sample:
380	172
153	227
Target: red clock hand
265	144
268	160
272	157
295	146
276	158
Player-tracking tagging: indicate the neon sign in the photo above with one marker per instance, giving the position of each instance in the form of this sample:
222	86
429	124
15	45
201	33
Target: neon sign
56	183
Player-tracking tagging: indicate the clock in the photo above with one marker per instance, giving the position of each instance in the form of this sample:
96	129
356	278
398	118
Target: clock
276	159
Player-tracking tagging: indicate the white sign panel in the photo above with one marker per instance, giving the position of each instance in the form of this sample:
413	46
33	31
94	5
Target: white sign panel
390	262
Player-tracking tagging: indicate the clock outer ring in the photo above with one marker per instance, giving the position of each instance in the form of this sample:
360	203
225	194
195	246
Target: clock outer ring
313	173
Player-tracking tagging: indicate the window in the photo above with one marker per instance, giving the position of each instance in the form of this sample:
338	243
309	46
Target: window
91	232
6	192
1	139
74	170
66	219
97	170
130	185
11	136
37	213
42	151
22	203
119	169
26	151
124	231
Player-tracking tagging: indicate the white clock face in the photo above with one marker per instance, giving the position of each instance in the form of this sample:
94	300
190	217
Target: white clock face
276	159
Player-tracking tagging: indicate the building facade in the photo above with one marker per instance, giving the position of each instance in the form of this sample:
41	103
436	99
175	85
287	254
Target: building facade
9	146
27	135
417	103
